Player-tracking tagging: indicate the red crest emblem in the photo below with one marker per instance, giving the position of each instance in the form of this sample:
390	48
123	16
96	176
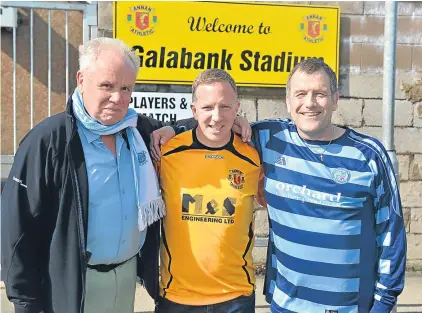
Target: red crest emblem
314	28
142	20
236	178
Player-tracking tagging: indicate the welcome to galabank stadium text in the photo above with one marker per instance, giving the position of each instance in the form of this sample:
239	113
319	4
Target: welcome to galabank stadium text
250	60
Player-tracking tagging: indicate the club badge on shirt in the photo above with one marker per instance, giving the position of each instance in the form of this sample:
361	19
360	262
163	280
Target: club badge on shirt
341	175
142	158
236	178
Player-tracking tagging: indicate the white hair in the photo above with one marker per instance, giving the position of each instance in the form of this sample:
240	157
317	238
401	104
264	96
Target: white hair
88	52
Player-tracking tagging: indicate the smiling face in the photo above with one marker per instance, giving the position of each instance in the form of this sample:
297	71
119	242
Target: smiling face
215	109
311	105
106	87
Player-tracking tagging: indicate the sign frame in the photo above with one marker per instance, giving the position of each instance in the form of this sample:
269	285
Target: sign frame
241	83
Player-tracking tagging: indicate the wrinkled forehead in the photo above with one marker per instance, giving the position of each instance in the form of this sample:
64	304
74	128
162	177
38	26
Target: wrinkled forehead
112	58
111	71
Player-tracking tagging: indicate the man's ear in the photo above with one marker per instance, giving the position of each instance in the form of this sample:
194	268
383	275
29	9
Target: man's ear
79	81
288	103
335	101
237	106
193	108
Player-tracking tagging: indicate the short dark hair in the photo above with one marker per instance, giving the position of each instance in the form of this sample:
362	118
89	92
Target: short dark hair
311	66
210	76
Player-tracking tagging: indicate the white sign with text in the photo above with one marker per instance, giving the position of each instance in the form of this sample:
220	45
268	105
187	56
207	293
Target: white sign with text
164	107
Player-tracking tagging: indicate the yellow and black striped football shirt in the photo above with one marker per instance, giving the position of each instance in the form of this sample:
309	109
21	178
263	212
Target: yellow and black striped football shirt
208	233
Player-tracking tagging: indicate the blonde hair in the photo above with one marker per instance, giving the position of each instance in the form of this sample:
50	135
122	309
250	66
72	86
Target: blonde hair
89	52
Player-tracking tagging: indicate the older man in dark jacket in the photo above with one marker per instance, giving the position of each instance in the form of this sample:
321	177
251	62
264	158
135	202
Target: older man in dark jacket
81	207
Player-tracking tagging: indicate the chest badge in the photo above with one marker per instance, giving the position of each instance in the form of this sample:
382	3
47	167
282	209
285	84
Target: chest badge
341	175
236	178
142	158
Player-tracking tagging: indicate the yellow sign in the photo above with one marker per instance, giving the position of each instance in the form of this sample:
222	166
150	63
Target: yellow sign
257	43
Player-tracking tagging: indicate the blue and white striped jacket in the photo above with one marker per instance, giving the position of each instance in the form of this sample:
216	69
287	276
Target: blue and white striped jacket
337	236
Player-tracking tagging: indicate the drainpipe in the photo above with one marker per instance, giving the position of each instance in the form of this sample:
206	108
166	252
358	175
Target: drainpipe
390	34
388	95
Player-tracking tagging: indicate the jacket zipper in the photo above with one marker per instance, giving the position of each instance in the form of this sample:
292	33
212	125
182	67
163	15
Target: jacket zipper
81	232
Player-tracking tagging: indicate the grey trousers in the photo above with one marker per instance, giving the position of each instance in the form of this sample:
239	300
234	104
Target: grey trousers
111	292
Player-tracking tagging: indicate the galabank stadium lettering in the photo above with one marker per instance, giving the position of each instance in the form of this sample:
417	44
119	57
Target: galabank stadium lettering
309	193
251	60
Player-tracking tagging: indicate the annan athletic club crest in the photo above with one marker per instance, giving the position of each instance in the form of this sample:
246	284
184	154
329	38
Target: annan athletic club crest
313	27
236	178
142	20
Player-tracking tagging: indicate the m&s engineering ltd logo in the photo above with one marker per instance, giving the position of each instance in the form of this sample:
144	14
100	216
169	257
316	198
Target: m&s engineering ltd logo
142	20
313	28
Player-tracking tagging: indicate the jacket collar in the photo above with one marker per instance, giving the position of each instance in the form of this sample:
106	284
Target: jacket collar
71	128
75	153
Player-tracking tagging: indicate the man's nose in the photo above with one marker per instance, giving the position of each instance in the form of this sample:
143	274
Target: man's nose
116	97
216	115
310	100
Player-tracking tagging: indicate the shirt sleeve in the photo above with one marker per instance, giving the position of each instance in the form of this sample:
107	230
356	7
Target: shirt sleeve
391	237
255	141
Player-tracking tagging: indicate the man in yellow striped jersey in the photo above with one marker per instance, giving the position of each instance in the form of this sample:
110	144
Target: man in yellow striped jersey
209	179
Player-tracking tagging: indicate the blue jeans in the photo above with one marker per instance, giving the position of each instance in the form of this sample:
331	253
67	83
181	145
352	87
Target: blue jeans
242	304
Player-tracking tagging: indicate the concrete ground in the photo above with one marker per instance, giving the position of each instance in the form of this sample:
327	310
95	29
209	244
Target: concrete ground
410	301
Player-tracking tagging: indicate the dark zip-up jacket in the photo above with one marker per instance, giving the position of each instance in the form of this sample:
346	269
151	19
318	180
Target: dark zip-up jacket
44	216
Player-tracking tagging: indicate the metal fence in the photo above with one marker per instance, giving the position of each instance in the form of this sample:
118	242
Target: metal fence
89	11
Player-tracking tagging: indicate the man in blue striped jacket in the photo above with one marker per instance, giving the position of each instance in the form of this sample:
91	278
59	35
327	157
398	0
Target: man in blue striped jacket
337	237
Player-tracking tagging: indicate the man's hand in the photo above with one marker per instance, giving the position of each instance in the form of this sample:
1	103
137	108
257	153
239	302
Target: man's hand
160	137
241	126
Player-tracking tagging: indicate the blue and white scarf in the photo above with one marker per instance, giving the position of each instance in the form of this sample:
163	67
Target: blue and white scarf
150	204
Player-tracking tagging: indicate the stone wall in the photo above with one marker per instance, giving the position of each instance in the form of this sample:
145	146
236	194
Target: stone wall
360	107
362	28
